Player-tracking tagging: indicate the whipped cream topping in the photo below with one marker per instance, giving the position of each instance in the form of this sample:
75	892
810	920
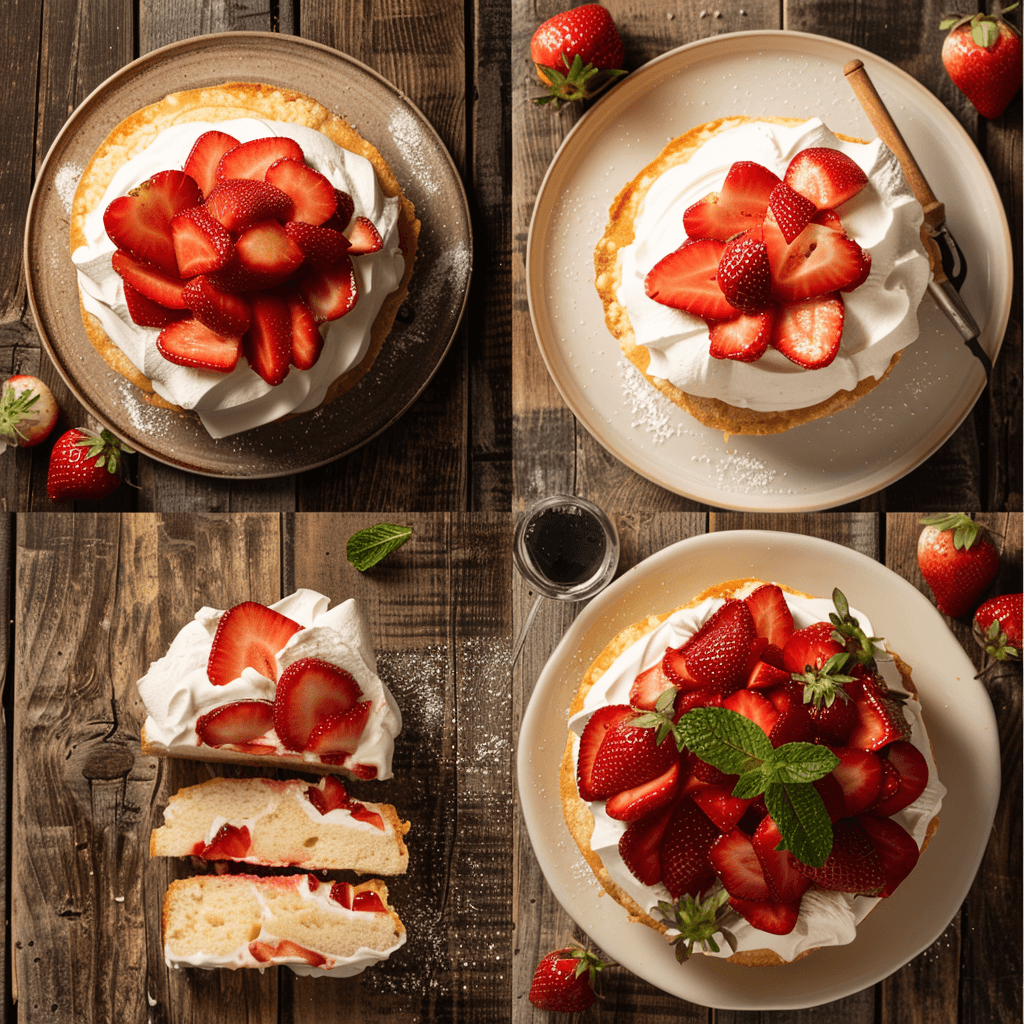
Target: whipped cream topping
177	690
240	400
826	918
320	901
880	315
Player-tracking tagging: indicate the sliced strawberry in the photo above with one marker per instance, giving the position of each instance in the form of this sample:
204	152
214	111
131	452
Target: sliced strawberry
321	246
792	726
268	342
337	735
334	792
752	705
648	686
147	313
239	722
163	289
141	221
342	893
810	647
309	691
223	312
342	216
312	194
204	158
248	636
362	813
808	333
716	655
231	842
831	794
696	699
785	694
192	343
640	845
853	865
890	783
673	665
687	279
880	720
772	617
744	338
685	867
366	901
709	774
718	803
307	341
818	261
363	237
647	798
267	252
330	293
785	882
201	244
763	676
827	177
284	949
768	915
865	272
829	219
740	205
238	203
792	211
735	862
912	768
895	846
859	774
593	734
251	159
629	756
744	274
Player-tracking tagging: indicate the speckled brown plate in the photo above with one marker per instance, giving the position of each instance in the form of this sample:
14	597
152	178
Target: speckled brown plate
426	323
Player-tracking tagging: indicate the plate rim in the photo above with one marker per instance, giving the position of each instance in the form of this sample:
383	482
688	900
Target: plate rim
542	700
43	180
533	260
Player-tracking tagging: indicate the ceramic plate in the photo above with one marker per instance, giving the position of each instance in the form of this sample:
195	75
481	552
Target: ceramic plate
823	463
426	323
961	727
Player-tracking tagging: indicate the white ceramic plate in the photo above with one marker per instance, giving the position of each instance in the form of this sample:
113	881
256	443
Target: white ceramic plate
823	463
961	727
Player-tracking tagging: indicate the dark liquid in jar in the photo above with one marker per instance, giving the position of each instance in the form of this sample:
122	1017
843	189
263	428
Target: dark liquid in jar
567	544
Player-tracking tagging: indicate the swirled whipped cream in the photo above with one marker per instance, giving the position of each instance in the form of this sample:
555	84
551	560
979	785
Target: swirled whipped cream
880	315
826	918
240	400
320	903
177	690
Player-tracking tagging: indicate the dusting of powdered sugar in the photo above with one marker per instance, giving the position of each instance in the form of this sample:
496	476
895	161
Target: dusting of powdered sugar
648	408
407	131
65	181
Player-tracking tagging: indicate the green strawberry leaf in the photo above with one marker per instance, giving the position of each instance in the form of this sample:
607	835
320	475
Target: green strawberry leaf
367	547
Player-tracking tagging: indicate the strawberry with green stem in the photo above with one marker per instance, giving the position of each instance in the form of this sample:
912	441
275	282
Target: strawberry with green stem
982	55
28	411
564	980
85	466
697	920
997	627
957	560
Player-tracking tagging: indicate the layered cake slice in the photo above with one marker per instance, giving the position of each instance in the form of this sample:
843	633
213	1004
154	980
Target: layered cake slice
293	684
750	774
312	927
283	824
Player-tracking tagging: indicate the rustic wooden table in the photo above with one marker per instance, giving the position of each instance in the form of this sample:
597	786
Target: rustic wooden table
970	973
452	450
979	467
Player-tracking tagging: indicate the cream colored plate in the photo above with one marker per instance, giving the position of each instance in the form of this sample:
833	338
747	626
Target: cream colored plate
426	323
824	463
961	727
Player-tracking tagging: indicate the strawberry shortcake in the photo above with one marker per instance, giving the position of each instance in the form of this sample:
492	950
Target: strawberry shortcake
293	684
750	774
764	273
241	252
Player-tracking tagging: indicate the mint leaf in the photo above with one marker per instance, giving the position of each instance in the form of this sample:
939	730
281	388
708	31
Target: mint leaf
800	762
800	813
751	784
367	547
726	739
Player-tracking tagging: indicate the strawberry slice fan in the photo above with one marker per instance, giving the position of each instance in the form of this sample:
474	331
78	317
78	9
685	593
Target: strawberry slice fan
949	269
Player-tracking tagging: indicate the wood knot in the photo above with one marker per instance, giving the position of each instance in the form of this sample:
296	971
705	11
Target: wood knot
108	761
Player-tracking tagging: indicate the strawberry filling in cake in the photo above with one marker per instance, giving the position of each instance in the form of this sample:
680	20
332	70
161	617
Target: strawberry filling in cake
294	682
768	266
750	774
240	266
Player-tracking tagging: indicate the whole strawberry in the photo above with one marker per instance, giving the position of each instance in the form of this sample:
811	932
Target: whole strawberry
28	411
957	561
997	627
84	466
563	981
982	55
577	54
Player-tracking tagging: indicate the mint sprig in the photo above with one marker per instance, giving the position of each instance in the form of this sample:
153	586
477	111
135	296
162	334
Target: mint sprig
737	746
367	547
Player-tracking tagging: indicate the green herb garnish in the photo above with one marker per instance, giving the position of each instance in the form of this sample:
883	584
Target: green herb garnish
367	547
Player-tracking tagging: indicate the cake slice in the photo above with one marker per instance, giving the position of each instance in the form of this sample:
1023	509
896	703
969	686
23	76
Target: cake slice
282	824
294	921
